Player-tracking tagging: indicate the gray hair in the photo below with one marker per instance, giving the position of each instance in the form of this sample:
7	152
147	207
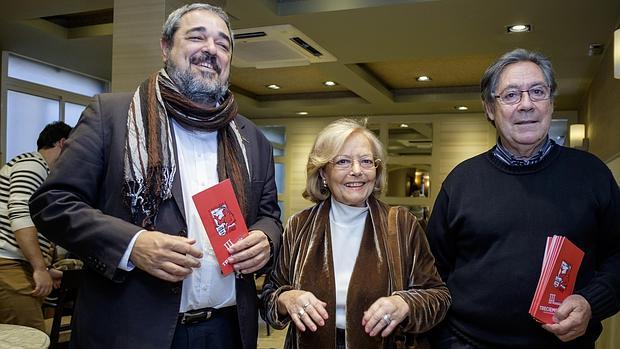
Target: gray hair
327	145
172	23
491	76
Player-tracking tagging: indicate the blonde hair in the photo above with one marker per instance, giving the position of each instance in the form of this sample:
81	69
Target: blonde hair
327	145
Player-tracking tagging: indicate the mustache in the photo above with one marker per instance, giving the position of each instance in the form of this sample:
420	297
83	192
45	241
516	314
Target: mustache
206	57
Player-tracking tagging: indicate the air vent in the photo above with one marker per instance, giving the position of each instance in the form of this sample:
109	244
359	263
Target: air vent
249	35
276	46
299	41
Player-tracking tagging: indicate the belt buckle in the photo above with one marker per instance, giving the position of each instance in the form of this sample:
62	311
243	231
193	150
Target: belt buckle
190	318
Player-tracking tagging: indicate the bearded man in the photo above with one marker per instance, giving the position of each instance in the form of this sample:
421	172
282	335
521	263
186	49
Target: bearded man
120	197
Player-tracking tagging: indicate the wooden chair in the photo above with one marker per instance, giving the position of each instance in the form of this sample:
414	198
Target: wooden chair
259	288
63	305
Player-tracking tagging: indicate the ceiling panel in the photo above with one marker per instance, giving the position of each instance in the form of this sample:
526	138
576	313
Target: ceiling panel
303	79
444	71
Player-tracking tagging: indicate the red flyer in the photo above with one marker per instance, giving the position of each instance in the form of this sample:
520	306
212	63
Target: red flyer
222	218
557	278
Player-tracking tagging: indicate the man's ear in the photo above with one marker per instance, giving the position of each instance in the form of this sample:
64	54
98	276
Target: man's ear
552	105
489	111
164	49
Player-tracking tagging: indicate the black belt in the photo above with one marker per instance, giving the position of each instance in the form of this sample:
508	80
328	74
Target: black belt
204	314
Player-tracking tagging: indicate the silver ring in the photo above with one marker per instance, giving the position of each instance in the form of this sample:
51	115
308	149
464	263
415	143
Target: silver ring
301	312
387	319
305	305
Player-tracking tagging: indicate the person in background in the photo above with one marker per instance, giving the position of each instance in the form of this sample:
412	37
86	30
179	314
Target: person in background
491	219
121	199
334	278
25	255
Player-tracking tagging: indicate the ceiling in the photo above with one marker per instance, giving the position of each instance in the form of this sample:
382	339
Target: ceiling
377	48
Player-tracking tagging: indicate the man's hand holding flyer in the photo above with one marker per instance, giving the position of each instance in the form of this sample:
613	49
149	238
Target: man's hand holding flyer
222	218
557	278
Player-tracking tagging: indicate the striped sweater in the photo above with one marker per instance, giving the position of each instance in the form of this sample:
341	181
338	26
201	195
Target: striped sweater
19	178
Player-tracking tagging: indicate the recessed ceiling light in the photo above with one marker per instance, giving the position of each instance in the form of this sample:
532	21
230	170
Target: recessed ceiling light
273	87
330	83
302	113
423	78
461	108
404	125
518	28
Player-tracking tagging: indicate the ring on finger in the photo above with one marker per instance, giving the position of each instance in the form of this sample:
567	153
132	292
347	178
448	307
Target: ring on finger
305	306
301	312
387	319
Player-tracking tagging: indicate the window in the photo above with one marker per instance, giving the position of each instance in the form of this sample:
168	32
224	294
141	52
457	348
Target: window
36	94
279	168
72	113
559	130
277	136
411	180
408	169
47	75
23	129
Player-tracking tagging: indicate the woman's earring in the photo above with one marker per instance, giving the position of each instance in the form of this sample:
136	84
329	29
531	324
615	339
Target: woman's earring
324	183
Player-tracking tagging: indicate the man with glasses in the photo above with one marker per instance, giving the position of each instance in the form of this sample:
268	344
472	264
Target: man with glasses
491	219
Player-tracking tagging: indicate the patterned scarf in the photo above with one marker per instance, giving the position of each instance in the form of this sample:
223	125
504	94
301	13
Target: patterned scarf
150	163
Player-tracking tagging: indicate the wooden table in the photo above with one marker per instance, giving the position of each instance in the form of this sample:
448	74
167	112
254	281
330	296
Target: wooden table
22	337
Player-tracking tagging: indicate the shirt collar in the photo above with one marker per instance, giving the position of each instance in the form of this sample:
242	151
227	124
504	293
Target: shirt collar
506	156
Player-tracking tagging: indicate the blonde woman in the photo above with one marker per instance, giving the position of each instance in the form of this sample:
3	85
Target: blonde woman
334	276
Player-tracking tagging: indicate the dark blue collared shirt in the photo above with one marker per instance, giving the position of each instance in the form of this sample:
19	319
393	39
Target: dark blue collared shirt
506	156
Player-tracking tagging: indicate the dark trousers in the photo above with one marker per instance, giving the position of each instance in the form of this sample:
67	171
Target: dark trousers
341	342
444	338
219	332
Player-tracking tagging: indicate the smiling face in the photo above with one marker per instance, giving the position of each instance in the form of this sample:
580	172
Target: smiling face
353	186
523	126
199	59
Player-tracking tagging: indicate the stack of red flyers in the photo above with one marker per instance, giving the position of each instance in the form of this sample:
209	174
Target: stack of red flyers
222	218
557	277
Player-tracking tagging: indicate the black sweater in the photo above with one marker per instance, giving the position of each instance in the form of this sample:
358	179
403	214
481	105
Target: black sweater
488	231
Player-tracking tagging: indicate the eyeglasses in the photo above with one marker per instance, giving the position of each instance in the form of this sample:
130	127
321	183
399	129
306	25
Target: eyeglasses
512	96
346	163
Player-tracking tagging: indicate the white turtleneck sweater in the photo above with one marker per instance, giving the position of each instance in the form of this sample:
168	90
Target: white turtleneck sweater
347	227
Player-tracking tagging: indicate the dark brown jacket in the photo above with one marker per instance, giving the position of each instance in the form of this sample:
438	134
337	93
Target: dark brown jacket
305	263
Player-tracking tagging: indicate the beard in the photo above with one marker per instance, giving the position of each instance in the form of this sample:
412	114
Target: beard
201	88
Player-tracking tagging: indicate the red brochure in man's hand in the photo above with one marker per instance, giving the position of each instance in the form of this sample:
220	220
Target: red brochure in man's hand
557	278
222	218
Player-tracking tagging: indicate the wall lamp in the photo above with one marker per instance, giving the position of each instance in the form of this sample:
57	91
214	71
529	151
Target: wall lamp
617	53
578	137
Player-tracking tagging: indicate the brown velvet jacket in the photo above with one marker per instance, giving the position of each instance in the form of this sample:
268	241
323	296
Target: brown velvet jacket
305	263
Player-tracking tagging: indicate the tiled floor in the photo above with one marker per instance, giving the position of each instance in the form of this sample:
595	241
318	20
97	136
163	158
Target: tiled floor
274	341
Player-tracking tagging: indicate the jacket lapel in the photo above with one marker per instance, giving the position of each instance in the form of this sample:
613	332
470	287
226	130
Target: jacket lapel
177	191
317	276
369	279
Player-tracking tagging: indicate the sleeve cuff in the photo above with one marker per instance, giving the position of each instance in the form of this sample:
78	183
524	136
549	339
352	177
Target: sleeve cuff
602	299
125	264
21	223
276	320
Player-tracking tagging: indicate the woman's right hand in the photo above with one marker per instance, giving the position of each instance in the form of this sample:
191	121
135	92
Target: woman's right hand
303	308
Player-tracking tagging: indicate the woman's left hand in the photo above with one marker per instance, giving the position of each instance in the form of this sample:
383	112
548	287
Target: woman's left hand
384	315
